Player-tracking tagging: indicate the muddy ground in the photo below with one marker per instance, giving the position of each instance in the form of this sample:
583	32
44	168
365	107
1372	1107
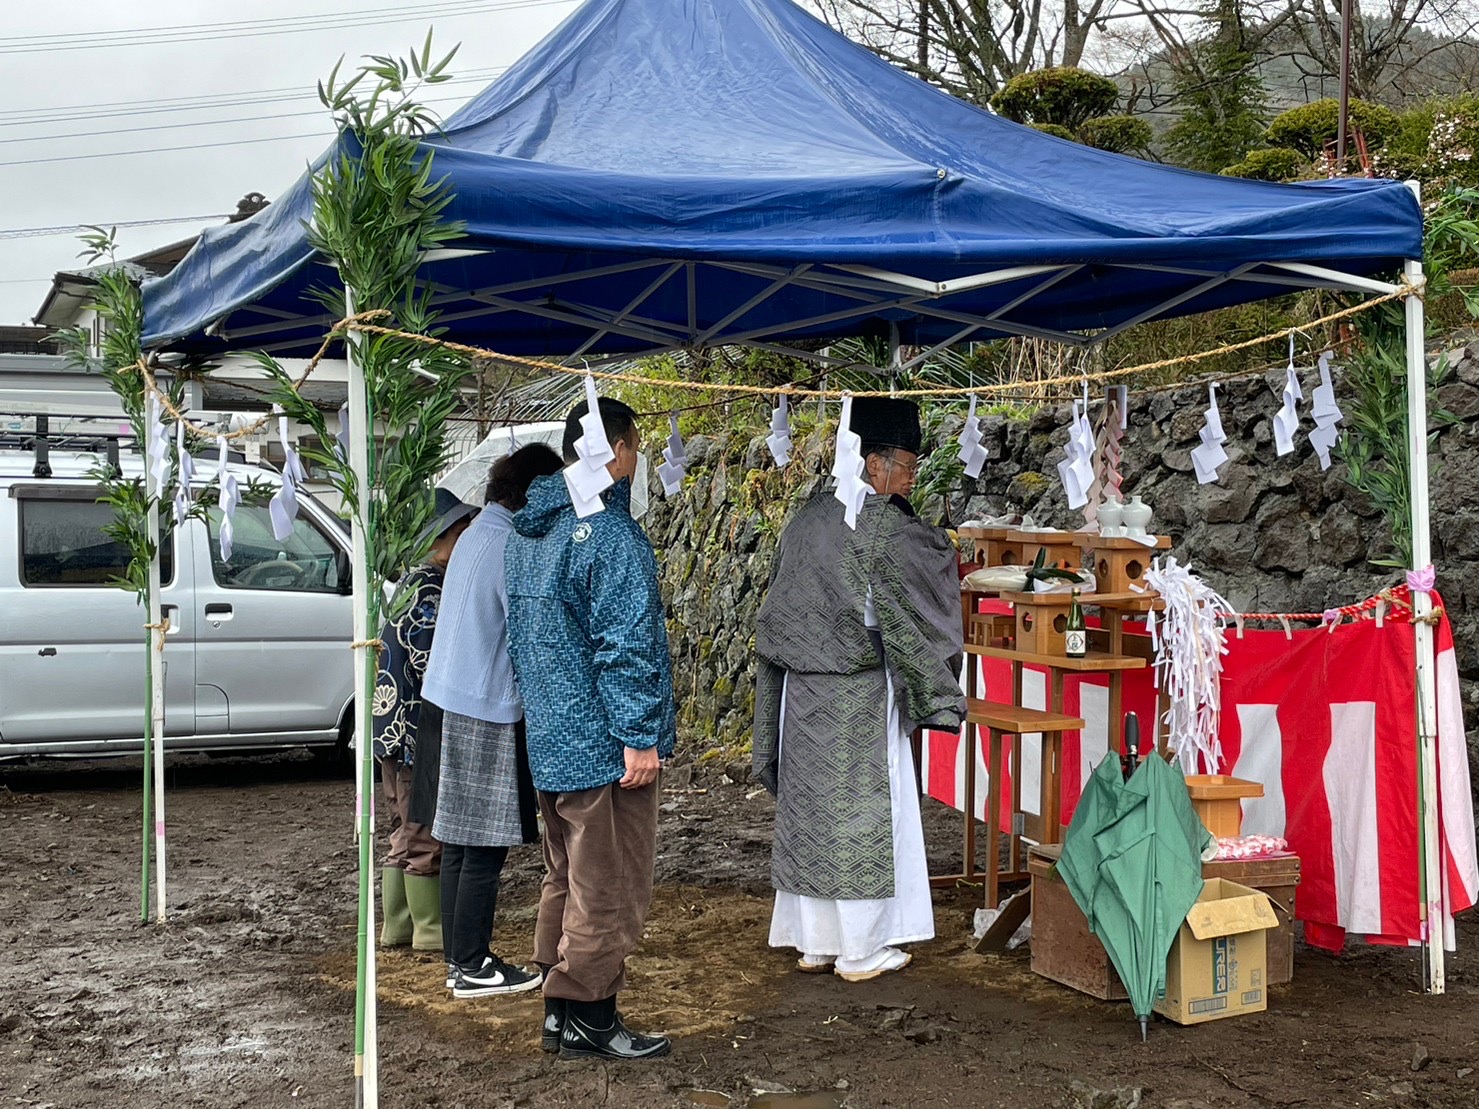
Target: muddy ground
245	997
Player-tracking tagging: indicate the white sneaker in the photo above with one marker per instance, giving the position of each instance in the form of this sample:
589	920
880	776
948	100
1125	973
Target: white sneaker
883	961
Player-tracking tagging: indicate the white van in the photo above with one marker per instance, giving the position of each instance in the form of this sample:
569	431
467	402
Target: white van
257	653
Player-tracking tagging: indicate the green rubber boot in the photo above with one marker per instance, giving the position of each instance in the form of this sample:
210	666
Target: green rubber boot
424	895
397	929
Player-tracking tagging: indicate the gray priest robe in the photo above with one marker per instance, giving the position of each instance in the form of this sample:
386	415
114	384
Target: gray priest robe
833	827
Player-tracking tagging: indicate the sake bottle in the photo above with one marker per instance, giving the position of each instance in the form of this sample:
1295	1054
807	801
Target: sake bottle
1075	636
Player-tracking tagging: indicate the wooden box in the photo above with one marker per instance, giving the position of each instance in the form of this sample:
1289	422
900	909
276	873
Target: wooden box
1042	618
1218	801
1064	950
1062	547
1119	564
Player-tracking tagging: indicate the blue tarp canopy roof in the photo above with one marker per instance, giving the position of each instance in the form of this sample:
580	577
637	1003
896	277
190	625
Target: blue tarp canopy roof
663	173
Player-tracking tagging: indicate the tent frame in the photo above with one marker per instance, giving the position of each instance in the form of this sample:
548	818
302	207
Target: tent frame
878	291
874	290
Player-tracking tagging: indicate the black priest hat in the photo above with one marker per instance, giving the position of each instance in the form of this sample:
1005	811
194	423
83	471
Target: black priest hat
887	422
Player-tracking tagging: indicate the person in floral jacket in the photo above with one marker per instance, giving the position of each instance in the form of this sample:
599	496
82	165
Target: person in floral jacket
410	882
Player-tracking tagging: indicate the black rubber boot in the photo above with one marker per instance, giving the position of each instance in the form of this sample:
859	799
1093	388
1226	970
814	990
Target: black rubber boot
554	1024
594	1030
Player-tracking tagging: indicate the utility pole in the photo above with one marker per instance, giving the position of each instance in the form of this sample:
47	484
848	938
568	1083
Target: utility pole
924	35
1345	86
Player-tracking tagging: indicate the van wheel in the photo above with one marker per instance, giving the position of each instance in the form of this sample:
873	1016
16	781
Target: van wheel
338	758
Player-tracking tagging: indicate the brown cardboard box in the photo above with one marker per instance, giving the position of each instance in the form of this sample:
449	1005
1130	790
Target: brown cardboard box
1219	962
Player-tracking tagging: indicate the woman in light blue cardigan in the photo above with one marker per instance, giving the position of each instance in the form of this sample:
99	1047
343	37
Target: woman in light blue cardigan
485	795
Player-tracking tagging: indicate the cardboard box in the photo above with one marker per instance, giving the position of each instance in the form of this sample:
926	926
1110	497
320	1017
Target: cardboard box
1219	962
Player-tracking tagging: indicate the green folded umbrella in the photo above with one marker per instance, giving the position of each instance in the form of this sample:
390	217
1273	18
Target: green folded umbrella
1132	859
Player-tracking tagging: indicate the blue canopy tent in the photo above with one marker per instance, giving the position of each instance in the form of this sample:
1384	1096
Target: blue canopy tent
664	174
659	174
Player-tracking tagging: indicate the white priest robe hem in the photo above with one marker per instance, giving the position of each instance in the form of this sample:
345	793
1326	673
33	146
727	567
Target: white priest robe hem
856	929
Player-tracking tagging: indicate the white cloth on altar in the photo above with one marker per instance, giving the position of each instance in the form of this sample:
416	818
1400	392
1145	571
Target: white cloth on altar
855	929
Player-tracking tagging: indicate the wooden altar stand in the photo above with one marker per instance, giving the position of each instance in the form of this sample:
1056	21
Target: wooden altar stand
999	721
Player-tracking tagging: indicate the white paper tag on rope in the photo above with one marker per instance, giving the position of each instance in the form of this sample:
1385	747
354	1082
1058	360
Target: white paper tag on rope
1326	413
1286	419
587	477
972	452
283	508
779	440
1210	455
186	475
227	500
675	460
158	447
848	466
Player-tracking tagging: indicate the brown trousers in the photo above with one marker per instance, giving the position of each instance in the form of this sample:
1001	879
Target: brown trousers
412	847
599	850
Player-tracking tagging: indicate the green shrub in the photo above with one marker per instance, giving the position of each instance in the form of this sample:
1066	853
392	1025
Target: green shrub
1062	95
1119	134
1276	164
1056	130
1309	127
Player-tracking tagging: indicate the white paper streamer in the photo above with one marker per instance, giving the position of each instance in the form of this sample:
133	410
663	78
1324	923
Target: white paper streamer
972	452
779	439
227	500
1286	419
341	440
674	460
1188	643
848	466
283	507
186	471
1076	471
158	448
1326	414
587	477
1210	455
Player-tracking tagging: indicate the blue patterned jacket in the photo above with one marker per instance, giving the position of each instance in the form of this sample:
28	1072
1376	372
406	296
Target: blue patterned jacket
588	638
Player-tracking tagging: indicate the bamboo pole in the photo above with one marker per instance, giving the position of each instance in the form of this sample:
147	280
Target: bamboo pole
156	708
147	842
1430	857
366	1053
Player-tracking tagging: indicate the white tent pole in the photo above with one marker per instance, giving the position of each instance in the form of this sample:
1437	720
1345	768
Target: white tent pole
1422	556
367	1053
154	608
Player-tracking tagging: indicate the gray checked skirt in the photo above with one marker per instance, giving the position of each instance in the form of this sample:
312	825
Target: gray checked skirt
485	795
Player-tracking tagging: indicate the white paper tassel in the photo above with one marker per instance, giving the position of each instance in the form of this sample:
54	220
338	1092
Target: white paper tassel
674	460
972	452
779	439
186	468
227	500
1210	455
1076	471
341	440
587	477
1188	643
283	507
1326	414
1286	419
848	466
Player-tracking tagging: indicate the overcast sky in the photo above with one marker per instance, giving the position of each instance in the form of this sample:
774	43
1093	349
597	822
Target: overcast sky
61	97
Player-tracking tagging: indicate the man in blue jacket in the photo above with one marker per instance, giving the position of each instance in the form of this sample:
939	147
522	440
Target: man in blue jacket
590	649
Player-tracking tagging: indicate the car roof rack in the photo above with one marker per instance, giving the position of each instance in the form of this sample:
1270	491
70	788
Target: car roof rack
40	441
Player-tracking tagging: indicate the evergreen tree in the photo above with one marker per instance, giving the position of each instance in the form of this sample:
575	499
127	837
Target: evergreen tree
1223	101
